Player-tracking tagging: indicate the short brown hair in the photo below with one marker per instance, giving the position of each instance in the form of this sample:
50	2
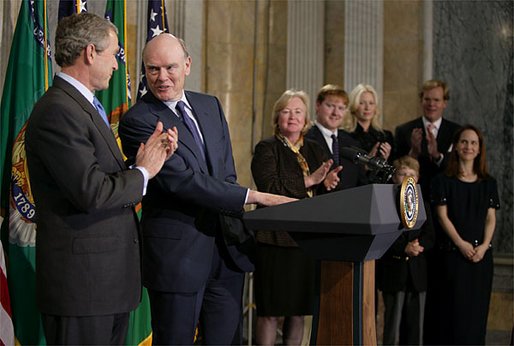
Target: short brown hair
331	90
435	83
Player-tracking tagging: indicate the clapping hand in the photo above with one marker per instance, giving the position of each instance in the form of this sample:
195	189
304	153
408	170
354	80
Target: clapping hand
332	179
382	149
158	148
319	175
415	142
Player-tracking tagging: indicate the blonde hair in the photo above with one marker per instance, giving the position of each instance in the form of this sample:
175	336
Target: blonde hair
355	97
282	102
407	161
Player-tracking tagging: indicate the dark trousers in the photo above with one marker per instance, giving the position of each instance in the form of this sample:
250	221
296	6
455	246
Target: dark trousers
216	309
86	330
403	317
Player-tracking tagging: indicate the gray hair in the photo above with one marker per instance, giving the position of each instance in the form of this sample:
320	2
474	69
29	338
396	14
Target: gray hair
76	32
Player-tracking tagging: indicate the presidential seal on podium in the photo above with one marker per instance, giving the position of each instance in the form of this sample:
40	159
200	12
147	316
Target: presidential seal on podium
409	202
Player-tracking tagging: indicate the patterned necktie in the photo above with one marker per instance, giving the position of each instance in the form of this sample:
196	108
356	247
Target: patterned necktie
101	110
335	150
432	129
191	126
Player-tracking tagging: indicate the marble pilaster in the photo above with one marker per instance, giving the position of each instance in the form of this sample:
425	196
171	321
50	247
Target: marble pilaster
473	52
334	42
305	46
230	62
186	20
364	44
403	61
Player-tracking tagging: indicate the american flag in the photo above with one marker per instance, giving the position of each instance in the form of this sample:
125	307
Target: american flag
68	7
157	24
6	326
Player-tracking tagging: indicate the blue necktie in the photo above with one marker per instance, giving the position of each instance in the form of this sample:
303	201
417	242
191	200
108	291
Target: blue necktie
191	126
101	110
335	150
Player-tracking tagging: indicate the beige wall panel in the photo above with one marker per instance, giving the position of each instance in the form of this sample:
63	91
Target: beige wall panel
402	61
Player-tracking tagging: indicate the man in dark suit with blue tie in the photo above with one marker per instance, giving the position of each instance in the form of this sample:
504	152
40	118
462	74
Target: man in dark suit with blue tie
88	271
193	243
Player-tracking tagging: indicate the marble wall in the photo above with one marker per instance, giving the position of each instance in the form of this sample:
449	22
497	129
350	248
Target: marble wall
240	53
403	61
473	52
245	60
231	57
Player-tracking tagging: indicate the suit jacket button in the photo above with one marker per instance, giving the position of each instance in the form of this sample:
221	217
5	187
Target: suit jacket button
136	240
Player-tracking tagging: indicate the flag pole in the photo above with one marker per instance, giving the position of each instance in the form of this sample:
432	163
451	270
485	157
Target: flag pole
45	49
163	14
125	44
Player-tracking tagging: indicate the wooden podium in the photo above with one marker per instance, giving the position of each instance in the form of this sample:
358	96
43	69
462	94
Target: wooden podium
345	231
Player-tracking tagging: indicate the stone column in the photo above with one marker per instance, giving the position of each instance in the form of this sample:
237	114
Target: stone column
305	46
230	63
187	21
364	44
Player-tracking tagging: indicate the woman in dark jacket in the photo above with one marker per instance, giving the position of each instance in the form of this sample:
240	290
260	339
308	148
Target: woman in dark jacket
294	166
365	125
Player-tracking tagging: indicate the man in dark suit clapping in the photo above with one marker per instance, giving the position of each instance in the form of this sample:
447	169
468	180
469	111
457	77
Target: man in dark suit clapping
193	270
429	137
331	108
87	257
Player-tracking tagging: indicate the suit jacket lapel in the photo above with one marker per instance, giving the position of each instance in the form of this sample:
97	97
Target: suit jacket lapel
444	136
96	118
321	139
169	120
204	123
419	124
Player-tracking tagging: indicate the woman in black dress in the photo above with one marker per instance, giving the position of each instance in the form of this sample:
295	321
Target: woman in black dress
365	125
291	165
466	199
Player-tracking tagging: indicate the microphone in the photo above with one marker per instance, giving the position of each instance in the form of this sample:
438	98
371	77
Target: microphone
360	157
380	171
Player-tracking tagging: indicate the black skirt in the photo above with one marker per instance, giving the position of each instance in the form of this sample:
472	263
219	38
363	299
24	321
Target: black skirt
284	281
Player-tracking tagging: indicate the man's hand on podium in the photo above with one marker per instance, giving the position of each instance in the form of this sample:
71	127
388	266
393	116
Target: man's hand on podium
267	199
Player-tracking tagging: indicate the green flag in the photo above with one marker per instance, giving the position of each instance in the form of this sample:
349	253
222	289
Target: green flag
116	101
27	78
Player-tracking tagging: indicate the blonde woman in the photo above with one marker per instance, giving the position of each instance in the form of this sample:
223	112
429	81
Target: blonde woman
294	166
365	122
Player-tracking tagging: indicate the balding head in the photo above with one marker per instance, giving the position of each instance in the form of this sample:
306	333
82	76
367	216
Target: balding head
167	63
166	41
